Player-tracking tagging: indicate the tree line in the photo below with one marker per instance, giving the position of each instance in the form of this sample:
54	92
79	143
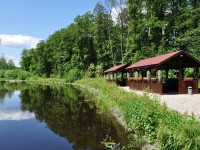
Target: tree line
116	32
6	64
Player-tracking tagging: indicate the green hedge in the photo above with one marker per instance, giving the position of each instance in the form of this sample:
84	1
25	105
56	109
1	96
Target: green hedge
150	120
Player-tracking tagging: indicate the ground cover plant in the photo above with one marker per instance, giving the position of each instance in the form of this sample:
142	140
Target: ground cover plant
145	117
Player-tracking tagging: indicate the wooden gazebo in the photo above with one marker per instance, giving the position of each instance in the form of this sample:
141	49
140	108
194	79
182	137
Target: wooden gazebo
117	74
165	73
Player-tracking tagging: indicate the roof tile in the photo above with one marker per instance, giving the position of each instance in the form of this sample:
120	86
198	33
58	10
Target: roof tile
154	60
115	68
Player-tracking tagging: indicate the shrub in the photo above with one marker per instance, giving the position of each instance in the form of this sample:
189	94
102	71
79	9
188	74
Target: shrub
91	71
2	72
73	75
11	74
22	75
99	71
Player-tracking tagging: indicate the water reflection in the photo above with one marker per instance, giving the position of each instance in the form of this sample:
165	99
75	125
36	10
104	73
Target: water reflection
4	92
66	113
15	114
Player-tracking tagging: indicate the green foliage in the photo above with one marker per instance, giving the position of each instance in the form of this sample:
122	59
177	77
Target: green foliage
73	75
11	74
158	27
160	75
23	75
148	75
91	71
147	118
136	74
142	29
2	73
6	63
94	71
14	74
99	71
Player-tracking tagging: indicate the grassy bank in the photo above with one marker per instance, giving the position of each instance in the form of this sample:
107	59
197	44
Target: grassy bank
148	119
38	80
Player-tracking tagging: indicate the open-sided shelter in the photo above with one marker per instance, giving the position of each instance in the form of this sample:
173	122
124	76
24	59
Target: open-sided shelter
165	73
117	74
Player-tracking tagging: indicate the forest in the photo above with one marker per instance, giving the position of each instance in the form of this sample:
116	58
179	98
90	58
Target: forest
116	32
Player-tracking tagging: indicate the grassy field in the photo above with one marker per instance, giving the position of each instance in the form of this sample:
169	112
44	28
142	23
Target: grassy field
147	118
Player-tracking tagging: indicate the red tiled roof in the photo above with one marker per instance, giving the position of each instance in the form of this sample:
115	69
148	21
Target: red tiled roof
158	60
116	68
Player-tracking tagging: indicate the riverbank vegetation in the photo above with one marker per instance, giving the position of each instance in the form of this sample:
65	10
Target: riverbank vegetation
165	128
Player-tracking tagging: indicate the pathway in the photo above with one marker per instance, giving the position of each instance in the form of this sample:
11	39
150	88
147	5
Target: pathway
183	103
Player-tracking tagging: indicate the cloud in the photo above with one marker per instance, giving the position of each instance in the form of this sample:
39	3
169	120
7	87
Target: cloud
18	41
15	114
16	61
115	12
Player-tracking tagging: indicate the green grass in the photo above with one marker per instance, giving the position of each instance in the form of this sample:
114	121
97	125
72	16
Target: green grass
4	79
148	119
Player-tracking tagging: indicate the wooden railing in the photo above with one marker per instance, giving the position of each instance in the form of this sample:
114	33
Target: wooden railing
140	84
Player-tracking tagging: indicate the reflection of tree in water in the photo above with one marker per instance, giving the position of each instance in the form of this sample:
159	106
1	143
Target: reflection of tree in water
66	113
5	91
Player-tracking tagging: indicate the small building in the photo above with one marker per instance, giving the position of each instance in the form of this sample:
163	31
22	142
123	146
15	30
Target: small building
165	73
117	74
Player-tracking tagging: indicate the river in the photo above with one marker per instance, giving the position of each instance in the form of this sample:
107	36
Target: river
41	117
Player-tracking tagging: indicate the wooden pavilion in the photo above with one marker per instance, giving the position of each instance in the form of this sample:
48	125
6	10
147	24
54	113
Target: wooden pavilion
117	74
165	73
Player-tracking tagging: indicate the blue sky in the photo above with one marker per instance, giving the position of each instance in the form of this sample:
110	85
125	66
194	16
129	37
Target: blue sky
25	22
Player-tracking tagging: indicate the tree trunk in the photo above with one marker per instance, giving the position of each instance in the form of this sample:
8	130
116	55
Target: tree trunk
111	47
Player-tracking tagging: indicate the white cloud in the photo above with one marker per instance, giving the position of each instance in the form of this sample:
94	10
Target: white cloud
15	114
15	60
115	12
18	41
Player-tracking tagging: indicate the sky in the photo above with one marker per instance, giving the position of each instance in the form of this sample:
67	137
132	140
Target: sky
25	22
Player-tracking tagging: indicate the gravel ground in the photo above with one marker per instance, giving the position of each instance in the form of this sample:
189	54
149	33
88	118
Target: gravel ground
183	103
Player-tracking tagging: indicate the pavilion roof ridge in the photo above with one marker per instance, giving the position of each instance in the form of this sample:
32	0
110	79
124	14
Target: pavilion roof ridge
161	59
116	68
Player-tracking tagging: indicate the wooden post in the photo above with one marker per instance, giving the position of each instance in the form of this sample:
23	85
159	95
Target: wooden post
180	73
167	73
196	73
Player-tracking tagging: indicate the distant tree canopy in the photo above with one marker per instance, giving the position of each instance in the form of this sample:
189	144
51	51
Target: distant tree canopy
142	28
6	63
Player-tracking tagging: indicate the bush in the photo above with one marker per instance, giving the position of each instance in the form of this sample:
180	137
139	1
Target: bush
15	74
2	72
91	71
11	74
22	75
73	75
99	71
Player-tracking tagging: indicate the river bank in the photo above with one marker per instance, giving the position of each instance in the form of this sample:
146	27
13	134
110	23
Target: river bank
148	119
144	117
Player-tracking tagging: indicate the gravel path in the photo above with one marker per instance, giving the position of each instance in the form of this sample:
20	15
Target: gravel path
183	103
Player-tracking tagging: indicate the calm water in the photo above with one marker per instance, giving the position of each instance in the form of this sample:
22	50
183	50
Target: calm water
36	117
